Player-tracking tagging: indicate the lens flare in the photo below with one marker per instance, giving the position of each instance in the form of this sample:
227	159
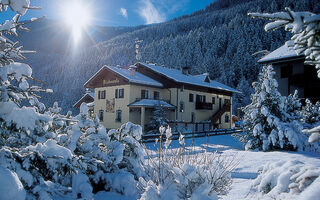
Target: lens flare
77	16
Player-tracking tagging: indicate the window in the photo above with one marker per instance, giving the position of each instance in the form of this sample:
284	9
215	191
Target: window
201	98
119	93
226	119
101	115
156	95
118	115
102	94
181	107
227	101
144	94
286	71
213	100
190	97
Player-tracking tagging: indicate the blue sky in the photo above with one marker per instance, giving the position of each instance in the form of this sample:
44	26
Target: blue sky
123	12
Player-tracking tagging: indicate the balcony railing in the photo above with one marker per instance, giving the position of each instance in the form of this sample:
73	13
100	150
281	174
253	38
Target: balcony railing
203	106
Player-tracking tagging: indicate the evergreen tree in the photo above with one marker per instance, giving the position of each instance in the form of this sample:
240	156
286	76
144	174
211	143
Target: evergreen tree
157	119
243	99
267	124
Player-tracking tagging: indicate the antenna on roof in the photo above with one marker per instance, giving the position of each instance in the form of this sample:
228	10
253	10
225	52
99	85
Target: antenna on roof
137	45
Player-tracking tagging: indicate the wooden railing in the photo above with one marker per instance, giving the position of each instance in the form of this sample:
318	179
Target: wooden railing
175	136
189	126
203	106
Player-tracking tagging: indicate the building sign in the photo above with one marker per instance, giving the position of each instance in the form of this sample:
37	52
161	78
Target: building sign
106	82
110	105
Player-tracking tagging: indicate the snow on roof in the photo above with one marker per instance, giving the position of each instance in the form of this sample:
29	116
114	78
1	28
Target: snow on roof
283	52
136	78
91	94
90	104
202	77
177	76
150	103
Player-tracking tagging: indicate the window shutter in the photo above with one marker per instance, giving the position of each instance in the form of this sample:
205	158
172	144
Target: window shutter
116	93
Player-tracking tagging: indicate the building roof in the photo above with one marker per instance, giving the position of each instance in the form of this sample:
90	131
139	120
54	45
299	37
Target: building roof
151	103
136	78
177	76
284	52
89	95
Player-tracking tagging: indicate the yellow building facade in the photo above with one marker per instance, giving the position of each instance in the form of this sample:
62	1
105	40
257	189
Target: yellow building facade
123	94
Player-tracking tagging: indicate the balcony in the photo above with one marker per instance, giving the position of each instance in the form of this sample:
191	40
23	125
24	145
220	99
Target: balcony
203	106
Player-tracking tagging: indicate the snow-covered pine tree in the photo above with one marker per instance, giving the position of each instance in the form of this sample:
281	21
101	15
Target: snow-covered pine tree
27	145
158	118
267	125
305	27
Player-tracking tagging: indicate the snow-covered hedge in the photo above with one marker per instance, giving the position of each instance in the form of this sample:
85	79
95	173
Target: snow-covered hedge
289	180
185	174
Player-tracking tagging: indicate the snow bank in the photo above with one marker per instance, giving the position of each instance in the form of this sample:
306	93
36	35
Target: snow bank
292	179
10	186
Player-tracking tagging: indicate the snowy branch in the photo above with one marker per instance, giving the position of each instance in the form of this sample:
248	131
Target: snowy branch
305	27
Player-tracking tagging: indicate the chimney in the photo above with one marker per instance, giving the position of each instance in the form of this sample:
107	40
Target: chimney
185	70
132	69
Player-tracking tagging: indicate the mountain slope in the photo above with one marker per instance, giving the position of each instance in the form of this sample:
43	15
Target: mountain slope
219	39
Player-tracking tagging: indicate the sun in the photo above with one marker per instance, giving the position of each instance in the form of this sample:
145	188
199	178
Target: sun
77	17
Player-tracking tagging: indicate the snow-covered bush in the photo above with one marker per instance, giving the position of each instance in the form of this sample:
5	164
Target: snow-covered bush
185	174
311	112
112	161
44	169
271	121
289	180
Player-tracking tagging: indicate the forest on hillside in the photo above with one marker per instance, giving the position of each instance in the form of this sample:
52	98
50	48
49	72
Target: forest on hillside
219	39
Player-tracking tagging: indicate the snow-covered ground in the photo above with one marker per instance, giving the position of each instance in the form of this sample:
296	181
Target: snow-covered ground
250	162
